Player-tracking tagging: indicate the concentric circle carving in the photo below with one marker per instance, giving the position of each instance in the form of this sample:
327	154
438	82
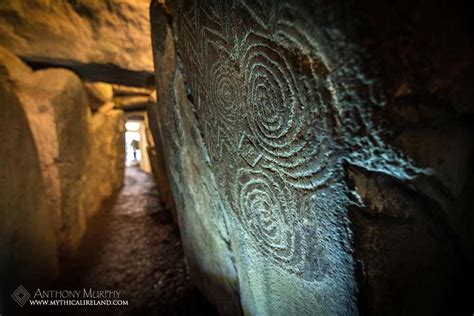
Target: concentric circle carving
266	210
282	98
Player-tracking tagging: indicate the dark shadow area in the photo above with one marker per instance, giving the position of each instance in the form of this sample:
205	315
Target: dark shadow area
95	72
131	246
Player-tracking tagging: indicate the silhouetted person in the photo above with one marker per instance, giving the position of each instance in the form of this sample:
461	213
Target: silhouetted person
135	146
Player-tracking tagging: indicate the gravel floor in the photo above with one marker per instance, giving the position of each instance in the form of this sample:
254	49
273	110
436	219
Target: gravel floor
134	247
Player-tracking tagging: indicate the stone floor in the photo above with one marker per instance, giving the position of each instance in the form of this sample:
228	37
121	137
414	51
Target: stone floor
133	246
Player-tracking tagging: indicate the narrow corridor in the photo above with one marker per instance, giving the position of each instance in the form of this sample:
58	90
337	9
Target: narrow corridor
318	156
133	246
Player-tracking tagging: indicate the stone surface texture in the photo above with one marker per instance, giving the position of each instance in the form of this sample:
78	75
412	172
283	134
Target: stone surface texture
106	162
28	250
56	105
98	93
81	156
156	155
319	153
99	32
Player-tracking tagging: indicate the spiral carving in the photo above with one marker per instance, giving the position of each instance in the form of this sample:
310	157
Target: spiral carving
271	219
222	108
225	93
291	136
264	105
281	104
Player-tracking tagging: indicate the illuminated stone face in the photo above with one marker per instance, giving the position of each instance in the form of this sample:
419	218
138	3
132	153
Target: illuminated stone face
280	128
279	119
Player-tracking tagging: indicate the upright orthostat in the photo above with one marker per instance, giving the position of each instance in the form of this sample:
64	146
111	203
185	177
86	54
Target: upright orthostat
291	180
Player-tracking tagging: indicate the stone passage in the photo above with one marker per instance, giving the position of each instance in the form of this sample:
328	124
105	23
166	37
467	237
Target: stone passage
292	152
134	247
81	159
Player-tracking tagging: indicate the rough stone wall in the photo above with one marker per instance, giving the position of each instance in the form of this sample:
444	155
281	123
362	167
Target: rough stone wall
28	250
106	162
58	96
81	156
156	154
99	32
319	153
144	159
98	93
